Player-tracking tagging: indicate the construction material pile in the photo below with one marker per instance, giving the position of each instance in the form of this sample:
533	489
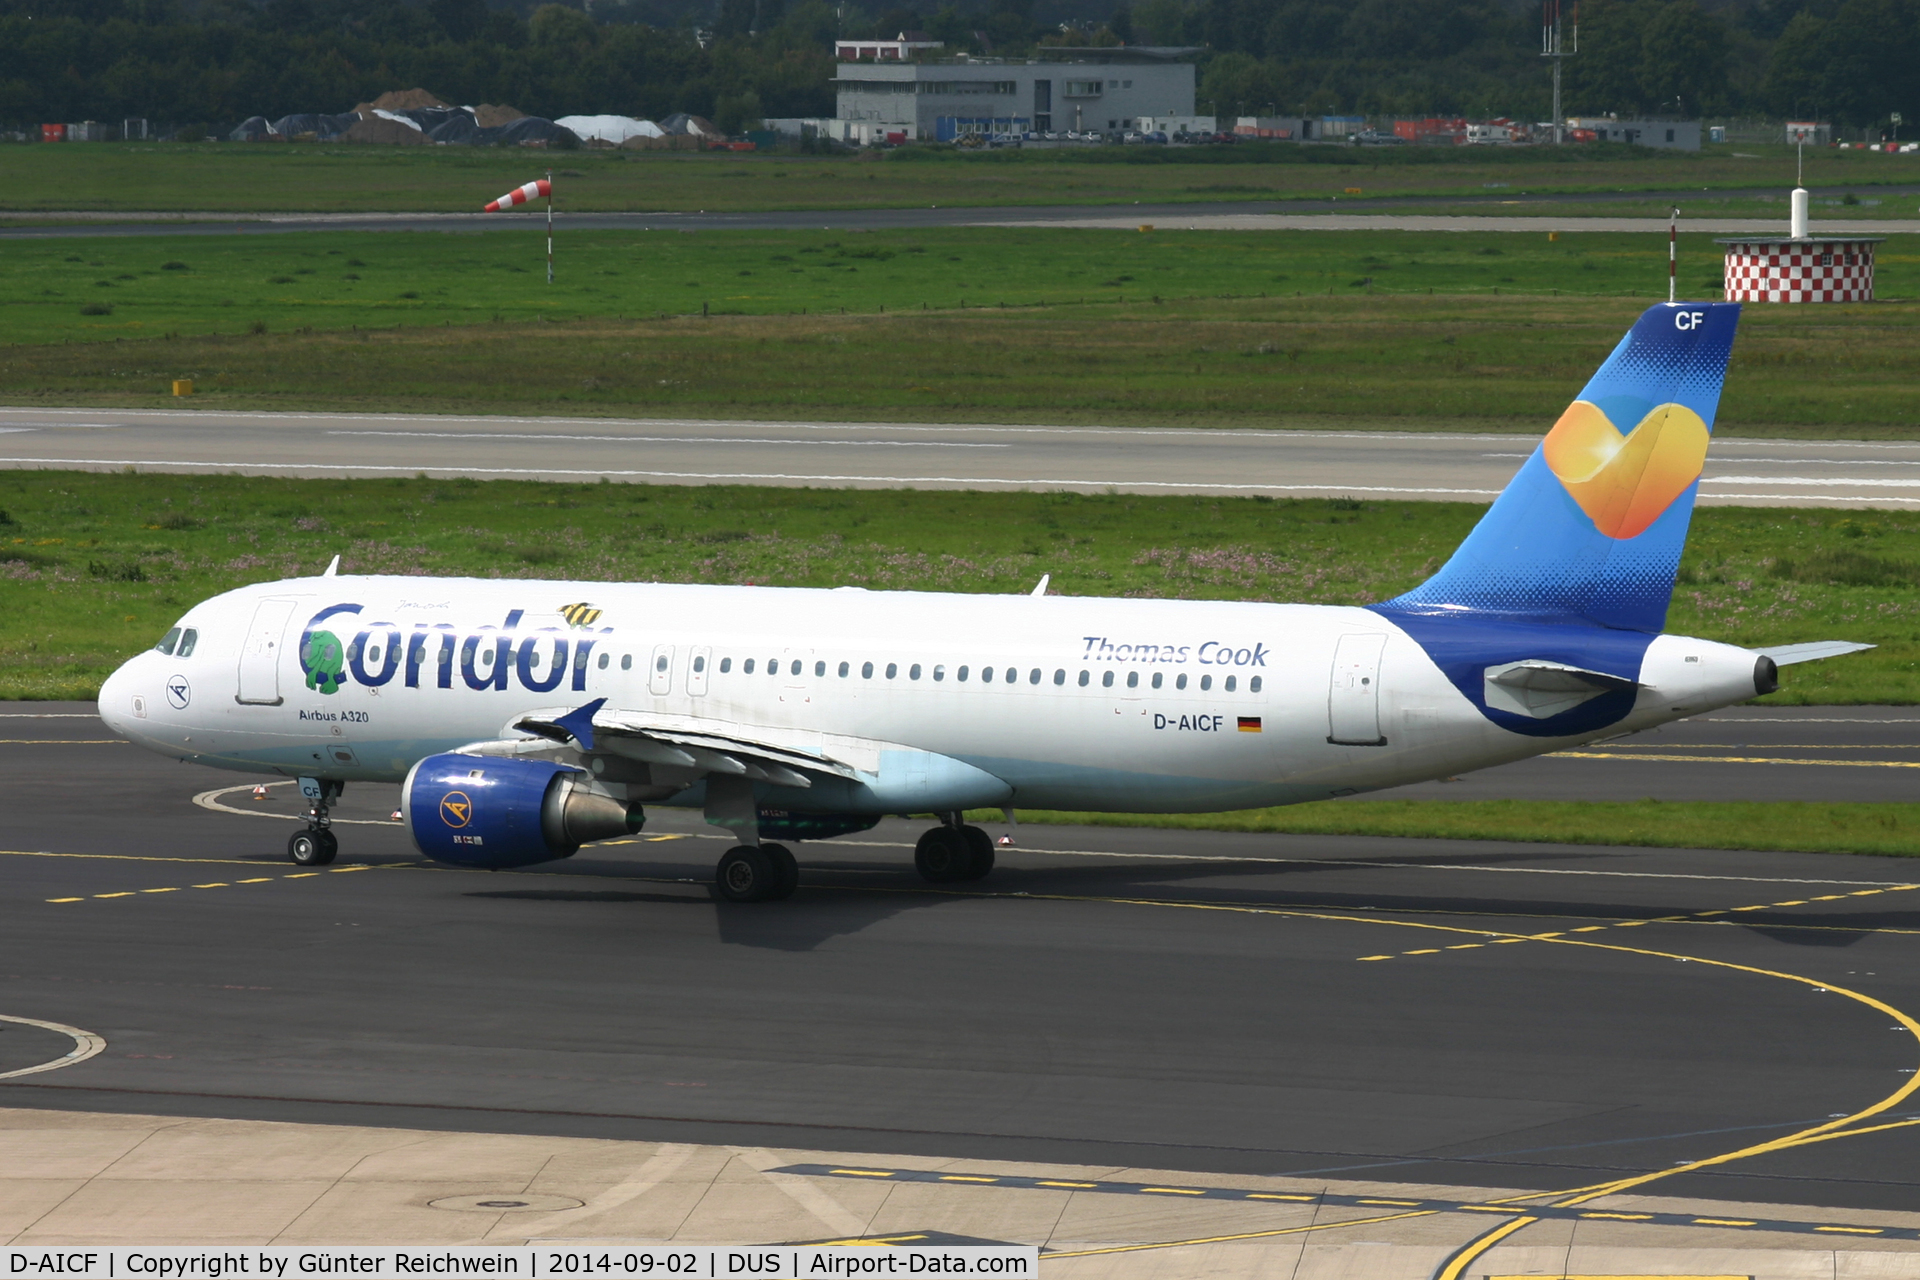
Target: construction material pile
414	117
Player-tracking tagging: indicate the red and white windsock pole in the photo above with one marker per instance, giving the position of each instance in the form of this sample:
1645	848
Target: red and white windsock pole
1673	253
519	196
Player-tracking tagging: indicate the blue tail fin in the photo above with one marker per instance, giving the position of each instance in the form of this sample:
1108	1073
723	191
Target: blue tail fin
1591	529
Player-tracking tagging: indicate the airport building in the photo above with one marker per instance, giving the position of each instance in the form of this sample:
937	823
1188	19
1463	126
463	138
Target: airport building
1663	135
1082	90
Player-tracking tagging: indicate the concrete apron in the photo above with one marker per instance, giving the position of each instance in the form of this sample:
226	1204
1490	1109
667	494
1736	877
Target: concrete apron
84	1178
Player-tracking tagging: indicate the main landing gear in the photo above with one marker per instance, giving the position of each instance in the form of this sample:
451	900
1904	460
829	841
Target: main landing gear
317	845
757	873
953	851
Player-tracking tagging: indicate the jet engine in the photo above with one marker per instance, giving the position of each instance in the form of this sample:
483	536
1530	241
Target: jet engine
493	812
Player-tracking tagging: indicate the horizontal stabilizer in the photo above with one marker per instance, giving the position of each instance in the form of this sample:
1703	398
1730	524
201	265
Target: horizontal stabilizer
1785	655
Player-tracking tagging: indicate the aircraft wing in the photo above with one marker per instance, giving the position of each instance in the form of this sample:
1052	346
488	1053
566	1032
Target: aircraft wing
785	757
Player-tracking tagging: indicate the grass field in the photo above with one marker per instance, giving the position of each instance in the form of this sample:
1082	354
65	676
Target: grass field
229	177
95	567
1795	826
1353	359
149	286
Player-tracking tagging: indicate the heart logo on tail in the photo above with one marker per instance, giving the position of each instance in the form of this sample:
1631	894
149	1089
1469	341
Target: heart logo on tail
1626	482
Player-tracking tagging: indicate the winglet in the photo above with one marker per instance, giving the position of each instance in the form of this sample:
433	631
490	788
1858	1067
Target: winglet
579	722
1042	588
332	569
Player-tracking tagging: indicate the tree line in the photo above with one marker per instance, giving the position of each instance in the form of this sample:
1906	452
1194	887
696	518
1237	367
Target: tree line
218	61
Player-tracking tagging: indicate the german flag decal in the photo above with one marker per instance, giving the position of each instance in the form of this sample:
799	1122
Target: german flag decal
1249	724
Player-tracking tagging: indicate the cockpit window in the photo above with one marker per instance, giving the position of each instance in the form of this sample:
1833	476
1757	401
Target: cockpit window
168	641
188	639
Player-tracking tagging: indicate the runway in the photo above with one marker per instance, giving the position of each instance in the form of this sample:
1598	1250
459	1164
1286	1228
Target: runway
1362	463
1421	1013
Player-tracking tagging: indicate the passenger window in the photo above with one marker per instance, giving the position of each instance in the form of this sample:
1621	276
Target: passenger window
626	662
603	662
1157	678
699	664
1106	680
190	637
773	666
961	675
1180	681
726	665
913	672
1084	677
1253	685
1231	682
1133	679
939	672
795	670
1060	676
1206	682
580	659
486	657
843	670
819	668
986	675
746	668
1013	676
168	641
893	669
1033	676
866	671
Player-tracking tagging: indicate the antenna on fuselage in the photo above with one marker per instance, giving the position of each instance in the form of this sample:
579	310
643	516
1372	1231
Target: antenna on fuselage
333	569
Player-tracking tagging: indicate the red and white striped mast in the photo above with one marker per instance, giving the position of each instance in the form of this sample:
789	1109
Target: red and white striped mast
1673	252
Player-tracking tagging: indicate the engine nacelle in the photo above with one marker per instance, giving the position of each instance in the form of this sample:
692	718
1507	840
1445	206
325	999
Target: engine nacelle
488	811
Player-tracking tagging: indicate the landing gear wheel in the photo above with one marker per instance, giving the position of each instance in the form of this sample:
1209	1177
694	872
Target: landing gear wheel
942	856
315	847
980	845
745	874
786	871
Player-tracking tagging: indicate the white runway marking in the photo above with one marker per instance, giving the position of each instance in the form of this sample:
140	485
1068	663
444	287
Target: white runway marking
85	1045
510	435
211	800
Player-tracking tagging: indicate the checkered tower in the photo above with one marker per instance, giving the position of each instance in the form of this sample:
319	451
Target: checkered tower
1800	266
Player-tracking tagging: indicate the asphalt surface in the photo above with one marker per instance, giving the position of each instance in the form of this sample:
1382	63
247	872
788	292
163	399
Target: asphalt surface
1386	464
1427	1012
64	224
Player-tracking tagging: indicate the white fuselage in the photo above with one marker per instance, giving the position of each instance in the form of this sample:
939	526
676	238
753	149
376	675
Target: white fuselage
1119	705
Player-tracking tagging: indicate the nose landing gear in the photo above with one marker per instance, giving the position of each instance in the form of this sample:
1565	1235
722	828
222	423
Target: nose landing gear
317	845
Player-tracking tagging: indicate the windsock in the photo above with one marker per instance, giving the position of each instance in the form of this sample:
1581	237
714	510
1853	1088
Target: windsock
520	196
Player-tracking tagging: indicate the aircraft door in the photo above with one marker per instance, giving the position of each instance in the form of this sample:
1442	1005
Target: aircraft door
660	674
1353	702
260	653
697	665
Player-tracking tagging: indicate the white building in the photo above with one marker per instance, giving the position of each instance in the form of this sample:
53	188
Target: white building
1665	135
1083	90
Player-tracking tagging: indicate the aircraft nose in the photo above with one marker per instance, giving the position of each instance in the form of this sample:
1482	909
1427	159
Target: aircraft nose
117	693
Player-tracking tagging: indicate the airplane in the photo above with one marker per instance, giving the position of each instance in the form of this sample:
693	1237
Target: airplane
525	719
